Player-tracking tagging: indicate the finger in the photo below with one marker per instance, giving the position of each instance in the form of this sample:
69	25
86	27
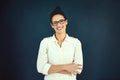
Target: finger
75	73
78	71
79	65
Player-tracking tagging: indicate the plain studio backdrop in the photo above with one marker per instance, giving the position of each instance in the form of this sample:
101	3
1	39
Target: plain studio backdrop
24	23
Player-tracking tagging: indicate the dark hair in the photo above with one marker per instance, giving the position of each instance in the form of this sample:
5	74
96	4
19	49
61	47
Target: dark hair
57	10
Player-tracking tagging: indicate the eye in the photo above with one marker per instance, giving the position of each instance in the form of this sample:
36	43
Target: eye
55	22
62	20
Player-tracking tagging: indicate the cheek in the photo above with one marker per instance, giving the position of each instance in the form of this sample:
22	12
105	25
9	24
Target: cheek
65	25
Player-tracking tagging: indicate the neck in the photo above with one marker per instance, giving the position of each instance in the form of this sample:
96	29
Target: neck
60	37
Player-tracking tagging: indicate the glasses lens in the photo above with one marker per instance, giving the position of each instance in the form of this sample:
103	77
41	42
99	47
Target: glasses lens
55	23
61	21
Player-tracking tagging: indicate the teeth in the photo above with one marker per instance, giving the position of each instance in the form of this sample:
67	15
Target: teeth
59	28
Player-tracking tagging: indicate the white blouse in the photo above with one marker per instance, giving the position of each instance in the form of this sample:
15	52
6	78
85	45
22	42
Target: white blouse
50	53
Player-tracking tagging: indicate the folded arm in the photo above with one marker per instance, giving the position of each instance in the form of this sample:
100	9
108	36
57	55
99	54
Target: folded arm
65	69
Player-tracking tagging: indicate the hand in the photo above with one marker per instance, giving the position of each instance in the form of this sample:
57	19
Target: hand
73	68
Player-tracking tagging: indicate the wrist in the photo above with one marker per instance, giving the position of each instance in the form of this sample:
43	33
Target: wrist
64	67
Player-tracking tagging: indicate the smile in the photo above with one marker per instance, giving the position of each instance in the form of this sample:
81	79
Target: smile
59	28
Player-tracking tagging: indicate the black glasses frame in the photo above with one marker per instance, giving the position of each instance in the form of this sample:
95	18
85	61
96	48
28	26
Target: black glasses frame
61	21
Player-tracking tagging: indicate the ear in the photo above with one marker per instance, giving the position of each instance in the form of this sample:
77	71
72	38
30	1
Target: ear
66	21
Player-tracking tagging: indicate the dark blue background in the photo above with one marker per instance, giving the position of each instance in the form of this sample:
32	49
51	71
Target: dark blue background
25	22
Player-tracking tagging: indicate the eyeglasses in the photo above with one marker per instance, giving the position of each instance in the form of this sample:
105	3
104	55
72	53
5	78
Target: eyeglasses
61	21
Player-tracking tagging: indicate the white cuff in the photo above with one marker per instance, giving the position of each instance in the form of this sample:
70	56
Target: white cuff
46	68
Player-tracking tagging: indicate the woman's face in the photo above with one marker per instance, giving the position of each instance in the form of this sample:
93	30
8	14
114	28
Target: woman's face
59	23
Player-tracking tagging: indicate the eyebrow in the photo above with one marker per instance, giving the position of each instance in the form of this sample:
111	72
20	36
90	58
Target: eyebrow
59	20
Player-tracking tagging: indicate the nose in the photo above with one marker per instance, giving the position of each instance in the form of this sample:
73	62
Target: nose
59	24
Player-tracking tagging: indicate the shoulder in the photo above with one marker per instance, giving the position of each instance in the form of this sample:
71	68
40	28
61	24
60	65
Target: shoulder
46	40
75	40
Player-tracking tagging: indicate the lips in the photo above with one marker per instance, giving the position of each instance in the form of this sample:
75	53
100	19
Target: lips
59	28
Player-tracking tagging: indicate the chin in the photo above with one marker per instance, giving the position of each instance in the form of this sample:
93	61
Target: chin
60	32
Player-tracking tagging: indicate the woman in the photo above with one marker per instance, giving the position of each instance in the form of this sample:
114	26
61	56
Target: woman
60	56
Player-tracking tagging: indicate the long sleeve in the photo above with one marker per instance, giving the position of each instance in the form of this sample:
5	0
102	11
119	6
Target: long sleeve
78	56
42	60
